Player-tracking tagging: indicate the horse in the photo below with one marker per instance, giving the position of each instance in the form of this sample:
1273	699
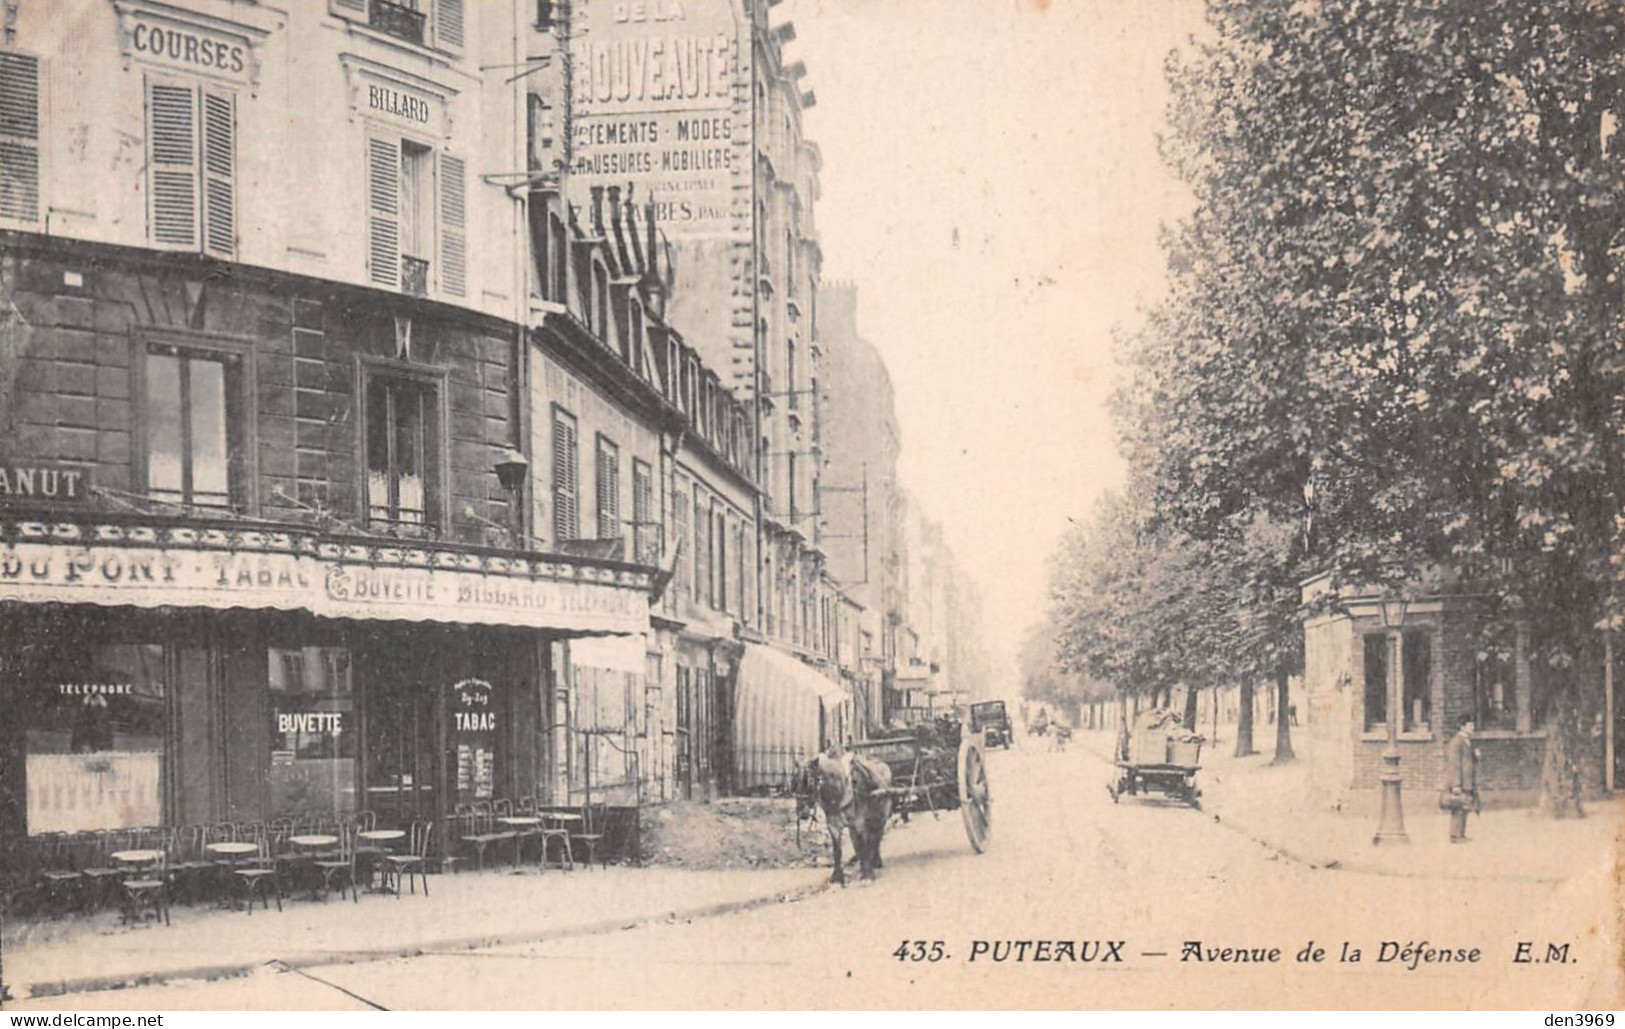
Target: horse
853	791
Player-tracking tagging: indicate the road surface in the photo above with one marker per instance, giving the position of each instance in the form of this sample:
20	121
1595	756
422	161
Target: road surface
1169	907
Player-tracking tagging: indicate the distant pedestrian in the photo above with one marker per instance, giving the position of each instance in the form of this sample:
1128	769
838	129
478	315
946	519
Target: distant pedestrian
1292	715
1461	779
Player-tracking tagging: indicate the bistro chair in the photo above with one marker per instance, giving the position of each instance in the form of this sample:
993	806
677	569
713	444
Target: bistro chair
60	878
527	809
367	855
220	864
594	820
412	863
101	876
556	828
482	832
340	865
187	867
259	878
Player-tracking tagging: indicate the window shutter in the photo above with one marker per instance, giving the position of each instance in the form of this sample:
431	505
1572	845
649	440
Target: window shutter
172	158
349	8
383	211
219	173
453	226
19	136
565	513
448	24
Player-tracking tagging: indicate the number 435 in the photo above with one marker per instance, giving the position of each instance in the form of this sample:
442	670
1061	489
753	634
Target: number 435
920	950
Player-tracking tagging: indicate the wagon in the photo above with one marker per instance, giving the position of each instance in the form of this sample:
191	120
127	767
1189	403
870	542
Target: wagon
936	767
1158	758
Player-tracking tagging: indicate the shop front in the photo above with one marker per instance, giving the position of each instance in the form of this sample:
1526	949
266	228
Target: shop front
157	675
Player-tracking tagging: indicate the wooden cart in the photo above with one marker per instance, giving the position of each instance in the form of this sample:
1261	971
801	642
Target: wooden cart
935	767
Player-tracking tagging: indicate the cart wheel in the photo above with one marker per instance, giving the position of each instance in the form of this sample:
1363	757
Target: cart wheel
975	801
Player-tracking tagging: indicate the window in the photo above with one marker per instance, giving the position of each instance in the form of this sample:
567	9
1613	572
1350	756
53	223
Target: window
722	561
1416	691
566	485
701	558
314	731
191	167
793	399
679	515
792	481
437	23
609	489
643	524
194	426
598	316
403	430
19	137
412	210
1376	680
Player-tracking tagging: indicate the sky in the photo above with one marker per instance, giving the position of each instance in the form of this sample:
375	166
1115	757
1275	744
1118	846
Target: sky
991	183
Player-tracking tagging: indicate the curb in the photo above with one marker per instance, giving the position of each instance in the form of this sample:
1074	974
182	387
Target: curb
1337	864
317	959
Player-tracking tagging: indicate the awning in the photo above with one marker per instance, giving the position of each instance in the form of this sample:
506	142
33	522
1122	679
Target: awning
289	570
784	714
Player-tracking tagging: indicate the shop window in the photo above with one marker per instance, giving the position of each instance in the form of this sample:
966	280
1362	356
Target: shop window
194	422
1416	686
314	731
96	726
566	472
19	137
609	489
403	431
191	165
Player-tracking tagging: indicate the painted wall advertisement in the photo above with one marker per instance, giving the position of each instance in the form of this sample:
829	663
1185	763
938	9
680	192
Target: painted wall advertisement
653	96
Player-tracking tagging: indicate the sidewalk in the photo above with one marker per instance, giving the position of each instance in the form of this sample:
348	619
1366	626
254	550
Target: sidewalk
85	953
1274	806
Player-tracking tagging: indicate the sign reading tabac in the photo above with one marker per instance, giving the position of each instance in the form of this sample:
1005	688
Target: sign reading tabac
654	93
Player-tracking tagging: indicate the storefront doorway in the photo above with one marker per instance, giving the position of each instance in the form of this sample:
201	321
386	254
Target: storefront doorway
403	752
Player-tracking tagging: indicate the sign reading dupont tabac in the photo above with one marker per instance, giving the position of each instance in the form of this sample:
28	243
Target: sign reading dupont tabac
654	95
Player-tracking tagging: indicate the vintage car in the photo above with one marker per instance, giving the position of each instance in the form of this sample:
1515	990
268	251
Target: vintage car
989	719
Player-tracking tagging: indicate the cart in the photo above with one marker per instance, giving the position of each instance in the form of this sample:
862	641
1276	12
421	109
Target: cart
989	719
1160	757
936	767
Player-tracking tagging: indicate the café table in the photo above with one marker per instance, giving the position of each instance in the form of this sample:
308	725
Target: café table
558	824
231	854
141	890
524	826
310	847
379	843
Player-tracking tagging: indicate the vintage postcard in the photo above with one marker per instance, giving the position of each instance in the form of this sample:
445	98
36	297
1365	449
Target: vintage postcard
801	504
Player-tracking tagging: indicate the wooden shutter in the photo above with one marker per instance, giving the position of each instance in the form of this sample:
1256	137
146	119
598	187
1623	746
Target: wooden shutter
609	490
219	173
565	512
19	136
172	160
384	211
448	24
453	226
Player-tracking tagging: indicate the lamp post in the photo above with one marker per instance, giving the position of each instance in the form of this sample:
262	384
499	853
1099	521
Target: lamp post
511	472
1391	827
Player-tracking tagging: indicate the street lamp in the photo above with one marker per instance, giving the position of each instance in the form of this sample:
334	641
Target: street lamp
511	472
1391	827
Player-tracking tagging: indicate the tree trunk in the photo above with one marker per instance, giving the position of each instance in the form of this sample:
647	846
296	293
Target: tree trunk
1244	719
1283	723
1190	707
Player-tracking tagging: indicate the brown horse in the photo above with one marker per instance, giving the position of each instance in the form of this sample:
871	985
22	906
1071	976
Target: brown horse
854	793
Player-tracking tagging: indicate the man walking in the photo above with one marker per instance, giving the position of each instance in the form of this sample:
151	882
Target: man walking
1461	779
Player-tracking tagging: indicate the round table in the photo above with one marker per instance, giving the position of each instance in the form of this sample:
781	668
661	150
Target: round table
135	857
313	841
382	835
229	849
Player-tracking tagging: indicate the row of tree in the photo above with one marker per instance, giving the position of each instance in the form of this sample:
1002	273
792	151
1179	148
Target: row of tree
1391	341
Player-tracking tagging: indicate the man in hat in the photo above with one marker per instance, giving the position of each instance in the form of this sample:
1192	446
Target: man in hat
1461	779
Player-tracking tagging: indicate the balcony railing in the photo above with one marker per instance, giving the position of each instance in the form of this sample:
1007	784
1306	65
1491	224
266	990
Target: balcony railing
396	20
414	276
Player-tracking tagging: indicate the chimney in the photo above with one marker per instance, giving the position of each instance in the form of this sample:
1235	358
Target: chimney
598	210
615	216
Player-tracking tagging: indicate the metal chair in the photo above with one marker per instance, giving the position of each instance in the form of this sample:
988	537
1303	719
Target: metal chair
146	885
341	865
367	855
594	820
260	877
527	808
101	876
187	867
481	821
60	877
555	829
415	862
